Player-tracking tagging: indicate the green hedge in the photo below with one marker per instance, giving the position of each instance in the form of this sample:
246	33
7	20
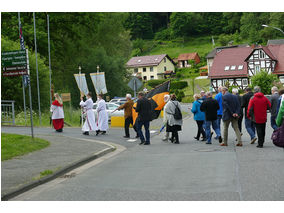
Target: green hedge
178	84
156	82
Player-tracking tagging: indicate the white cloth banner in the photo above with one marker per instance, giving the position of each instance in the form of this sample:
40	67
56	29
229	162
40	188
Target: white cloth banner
82	83
99	82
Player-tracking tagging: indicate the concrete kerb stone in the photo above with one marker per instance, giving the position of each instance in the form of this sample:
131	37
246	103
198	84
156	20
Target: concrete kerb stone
60	172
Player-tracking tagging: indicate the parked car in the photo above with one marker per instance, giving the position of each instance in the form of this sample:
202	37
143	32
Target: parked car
115	100
110	107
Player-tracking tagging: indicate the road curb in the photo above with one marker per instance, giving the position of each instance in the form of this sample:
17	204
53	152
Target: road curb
57	174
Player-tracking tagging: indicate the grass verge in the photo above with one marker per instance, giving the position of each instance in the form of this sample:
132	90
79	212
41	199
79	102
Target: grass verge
13	145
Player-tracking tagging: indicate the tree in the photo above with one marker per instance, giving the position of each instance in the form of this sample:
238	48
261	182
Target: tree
265	81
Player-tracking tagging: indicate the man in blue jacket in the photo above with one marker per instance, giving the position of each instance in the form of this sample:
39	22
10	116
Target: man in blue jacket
218	97
231	112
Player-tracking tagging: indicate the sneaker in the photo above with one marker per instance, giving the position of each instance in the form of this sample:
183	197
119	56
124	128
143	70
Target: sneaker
196	138
142	142
253	140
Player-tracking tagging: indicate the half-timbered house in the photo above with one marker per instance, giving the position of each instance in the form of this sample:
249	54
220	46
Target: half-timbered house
235	66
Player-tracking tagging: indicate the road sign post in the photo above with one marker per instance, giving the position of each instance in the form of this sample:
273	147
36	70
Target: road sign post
135	84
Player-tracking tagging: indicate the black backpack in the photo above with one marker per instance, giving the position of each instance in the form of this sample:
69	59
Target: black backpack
177	115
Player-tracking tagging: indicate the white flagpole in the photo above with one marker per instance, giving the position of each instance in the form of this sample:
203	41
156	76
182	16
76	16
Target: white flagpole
39	113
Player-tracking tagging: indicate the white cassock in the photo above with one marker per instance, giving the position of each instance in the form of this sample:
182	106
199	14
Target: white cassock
90	122
102	116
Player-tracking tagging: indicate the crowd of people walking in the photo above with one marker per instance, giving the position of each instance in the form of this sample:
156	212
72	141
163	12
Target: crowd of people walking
226	108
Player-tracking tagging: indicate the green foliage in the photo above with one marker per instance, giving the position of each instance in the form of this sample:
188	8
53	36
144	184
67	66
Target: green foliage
176	85
224	39
165	34
45	173
265	81
188	99
12	86
156	82
13	145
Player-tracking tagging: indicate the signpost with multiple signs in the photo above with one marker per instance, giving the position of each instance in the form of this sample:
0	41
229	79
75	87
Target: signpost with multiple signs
14	63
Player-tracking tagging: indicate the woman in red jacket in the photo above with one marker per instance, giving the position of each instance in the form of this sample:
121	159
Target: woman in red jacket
257	112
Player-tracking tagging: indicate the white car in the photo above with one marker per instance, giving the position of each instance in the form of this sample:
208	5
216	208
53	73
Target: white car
109	107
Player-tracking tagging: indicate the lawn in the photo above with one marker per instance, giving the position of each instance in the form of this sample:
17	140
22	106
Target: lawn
13	145
202	45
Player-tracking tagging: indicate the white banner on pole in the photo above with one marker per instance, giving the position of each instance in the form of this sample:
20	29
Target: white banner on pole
82	83
99	82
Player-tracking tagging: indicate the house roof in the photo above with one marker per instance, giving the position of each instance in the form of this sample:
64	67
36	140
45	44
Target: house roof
217	49
149	60
266	50
230	57
275	42
187	56
278	53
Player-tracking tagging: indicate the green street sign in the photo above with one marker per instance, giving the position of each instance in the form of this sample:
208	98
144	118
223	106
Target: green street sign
13	58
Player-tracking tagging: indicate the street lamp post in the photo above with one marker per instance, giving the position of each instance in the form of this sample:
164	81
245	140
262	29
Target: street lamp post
264	25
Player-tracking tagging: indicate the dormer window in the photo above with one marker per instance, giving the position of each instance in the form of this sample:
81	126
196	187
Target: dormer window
240	67
165	60
233	67
227	68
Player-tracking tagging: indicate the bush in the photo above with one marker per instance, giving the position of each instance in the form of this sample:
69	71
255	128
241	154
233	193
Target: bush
156	82
178	84
265	81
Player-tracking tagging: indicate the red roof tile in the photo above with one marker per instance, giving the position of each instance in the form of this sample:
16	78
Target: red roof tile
187	56
230	57
150	60
278	52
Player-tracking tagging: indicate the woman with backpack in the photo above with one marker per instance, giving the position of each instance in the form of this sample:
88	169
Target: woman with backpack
199	116
174	118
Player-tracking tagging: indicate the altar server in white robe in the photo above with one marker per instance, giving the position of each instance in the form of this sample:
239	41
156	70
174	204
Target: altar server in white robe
90	122
102	115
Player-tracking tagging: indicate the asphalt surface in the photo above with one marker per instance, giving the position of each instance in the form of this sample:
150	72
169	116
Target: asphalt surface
189	171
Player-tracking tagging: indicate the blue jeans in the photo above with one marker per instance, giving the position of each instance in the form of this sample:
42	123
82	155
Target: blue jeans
273	122
219	118
250	127
146	125
208	129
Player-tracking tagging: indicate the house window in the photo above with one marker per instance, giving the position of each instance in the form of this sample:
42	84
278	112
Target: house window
145	78
227	68
144	69
151	69
152	77
281	78
257	68
261	54
240	67
165	68
165	60
233	67
245	82
135	70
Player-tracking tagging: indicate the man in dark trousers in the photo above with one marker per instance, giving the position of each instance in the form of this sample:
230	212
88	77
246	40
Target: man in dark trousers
250	127
127	106
231	113
257	108
144	117
210	106
274	103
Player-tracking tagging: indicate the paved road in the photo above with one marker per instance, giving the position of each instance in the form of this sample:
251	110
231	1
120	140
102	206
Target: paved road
191	170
